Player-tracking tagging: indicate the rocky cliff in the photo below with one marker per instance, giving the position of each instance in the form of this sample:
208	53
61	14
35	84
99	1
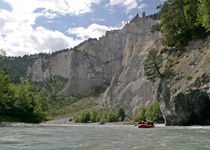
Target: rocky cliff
116	57
184	96
90	64
129	87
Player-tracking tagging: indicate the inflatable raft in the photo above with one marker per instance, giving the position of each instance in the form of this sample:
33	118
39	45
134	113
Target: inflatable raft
145	126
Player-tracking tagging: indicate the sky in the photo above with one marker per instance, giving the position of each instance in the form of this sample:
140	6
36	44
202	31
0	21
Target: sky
35	26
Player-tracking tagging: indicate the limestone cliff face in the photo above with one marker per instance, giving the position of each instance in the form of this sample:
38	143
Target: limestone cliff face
118	57
35	72
129	87
92	63
44	68
184	96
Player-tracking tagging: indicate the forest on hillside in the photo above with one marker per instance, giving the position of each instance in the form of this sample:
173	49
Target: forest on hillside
184	20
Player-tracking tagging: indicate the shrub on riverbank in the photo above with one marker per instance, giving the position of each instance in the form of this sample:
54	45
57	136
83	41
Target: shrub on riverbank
152	113
101	116
85	116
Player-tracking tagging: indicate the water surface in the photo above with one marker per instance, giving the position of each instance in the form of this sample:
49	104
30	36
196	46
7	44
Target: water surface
105	137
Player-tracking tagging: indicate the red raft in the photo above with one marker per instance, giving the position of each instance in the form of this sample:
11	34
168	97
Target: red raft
146	126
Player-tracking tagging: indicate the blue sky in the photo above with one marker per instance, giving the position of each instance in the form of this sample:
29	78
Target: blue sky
34	26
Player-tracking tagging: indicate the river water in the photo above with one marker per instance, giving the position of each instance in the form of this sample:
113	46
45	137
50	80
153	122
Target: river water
105	137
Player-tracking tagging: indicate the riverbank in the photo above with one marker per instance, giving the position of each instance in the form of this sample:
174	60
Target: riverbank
59	122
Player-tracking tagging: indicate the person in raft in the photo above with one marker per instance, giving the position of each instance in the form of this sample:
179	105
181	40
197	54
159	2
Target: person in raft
141	122
150	123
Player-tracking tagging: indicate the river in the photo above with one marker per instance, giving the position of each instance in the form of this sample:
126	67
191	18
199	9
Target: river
105	137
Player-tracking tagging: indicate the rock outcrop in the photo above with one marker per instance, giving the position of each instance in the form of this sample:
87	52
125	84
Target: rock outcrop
118	57
129	87
92	63
184	96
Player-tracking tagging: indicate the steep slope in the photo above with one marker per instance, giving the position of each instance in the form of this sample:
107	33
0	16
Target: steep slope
184	96
90	64
129	87
117	58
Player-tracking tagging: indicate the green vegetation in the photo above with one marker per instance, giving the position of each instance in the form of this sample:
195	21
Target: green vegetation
154	16
156	27
81	52
204	13
112	116
53	85
152	65
93	116
21	102
100	116
24	102
73	106
184	20
152	113
141	115
120	114
17	67
84	116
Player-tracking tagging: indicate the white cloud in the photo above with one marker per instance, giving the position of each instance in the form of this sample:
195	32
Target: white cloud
142	6
35	41
49	15
128	4
60	6
130	17
97	19
93	31
17	35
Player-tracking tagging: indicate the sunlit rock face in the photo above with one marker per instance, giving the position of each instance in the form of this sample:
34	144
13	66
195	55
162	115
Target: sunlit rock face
129	87
115	58
92	63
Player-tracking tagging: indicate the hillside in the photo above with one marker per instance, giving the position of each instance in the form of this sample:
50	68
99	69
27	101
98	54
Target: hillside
184	95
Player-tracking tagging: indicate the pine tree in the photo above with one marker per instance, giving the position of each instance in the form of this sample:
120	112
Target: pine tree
179	21
152	65
204	14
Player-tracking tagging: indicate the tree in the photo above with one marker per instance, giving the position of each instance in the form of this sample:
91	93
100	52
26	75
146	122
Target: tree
153	113
93	116
76	119
111	116
4	88
204	13
84	116
102	120
152	65
172	21
120	114
179	21
141	115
